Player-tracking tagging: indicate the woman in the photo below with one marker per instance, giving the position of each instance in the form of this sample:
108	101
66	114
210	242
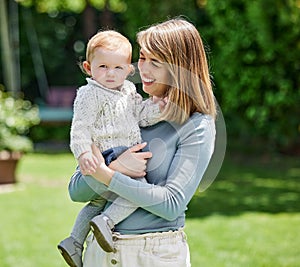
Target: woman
173	67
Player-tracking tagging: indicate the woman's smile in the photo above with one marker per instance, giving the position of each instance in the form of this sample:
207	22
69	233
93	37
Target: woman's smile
147	81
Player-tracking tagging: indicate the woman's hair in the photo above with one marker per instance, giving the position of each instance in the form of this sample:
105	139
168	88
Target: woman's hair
109	40
177	43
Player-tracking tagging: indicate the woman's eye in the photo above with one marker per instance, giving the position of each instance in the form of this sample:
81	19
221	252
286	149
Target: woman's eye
156	64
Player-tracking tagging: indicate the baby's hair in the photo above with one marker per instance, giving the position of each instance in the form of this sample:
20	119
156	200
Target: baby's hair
109	40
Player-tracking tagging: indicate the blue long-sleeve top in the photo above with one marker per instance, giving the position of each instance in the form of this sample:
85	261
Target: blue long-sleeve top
181	154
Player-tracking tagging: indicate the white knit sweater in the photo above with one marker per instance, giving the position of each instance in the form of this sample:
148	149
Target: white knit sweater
109	118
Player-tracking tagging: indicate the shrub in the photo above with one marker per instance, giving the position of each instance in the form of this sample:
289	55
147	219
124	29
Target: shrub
16	118
256	55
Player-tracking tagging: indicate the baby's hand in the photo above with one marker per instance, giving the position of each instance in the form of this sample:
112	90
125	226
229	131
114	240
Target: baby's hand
87	163
162	102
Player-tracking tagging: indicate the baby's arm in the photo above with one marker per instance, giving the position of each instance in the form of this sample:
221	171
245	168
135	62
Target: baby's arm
162	102
149	112
146	112
82	190
86	108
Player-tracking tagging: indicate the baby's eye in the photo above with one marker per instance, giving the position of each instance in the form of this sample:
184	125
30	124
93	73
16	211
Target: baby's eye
119	67
103	66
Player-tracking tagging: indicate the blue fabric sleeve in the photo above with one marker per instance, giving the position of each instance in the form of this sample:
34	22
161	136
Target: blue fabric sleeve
79	190
84	188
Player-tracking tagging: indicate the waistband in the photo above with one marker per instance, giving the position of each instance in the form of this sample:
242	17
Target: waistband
156	237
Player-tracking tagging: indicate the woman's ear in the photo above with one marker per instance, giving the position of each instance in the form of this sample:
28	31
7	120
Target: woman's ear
87	67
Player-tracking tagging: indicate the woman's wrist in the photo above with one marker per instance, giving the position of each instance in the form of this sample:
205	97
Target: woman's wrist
114	165
103	174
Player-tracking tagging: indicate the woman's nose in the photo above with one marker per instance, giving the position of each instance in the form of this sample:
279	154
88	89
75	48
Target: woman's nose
144	66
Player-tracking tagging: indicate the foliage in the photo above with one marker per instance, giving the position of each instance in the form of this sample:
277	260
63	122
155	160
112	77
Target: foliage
256	55
150	12
76	6
253	48
16	118
56	44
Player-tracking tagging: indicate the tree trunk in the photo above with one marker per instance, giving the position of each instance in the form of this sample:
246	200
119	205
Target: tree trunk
7	58
89	22
106	17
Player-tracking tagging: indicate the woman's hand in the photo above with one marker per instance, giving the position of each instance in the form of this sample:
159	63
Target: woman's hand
132	162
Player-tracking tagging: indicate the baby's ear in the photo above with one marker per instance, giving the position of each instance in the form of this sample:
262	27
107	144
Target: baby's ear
86	67
131	70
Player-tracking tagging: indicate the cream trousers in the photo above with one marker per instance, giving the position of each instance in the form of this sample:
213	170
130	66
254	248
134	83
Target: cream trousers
167	249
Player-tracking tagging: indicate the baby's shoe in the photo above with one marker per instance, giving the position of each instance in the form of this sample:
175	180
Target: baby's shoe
102	226
71	251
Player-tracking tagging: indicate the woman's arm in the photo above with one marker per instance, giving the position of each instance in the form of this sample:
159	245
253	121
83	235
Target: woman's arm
79	190
169	198
82	188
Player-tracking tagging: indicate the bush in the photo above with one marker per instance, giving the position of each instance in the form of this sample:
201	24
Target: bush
256	55
16	118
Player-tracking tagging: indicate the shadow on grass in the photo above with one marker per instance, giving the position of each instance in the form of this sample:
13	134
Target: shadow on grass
247	184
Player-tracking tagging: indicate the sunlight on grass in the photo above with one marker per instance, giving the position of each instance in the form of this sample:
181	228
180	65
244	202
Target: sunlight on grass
38	212
251	239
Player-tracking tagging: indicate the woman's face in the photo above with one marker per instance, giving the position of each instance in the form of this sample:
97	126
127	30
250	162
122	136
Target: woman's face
154	74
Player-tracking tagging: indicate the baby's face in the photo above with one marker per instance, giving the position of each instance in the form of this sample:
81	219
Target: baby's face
109	68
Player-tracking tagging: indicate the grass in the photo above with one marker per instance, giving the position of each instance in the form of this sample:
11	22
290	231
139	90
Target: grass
250	216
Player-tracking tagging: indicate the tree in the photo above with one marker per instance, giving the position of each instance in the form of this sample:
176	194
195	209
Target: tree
10	46
256	67
253	49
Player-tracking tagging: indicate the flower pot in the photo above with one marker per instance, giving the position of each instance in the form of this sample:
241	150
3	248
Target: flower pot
8	165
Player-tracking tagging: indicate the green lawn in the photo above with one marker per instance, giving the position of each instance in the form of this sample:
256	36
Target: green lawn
250	216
